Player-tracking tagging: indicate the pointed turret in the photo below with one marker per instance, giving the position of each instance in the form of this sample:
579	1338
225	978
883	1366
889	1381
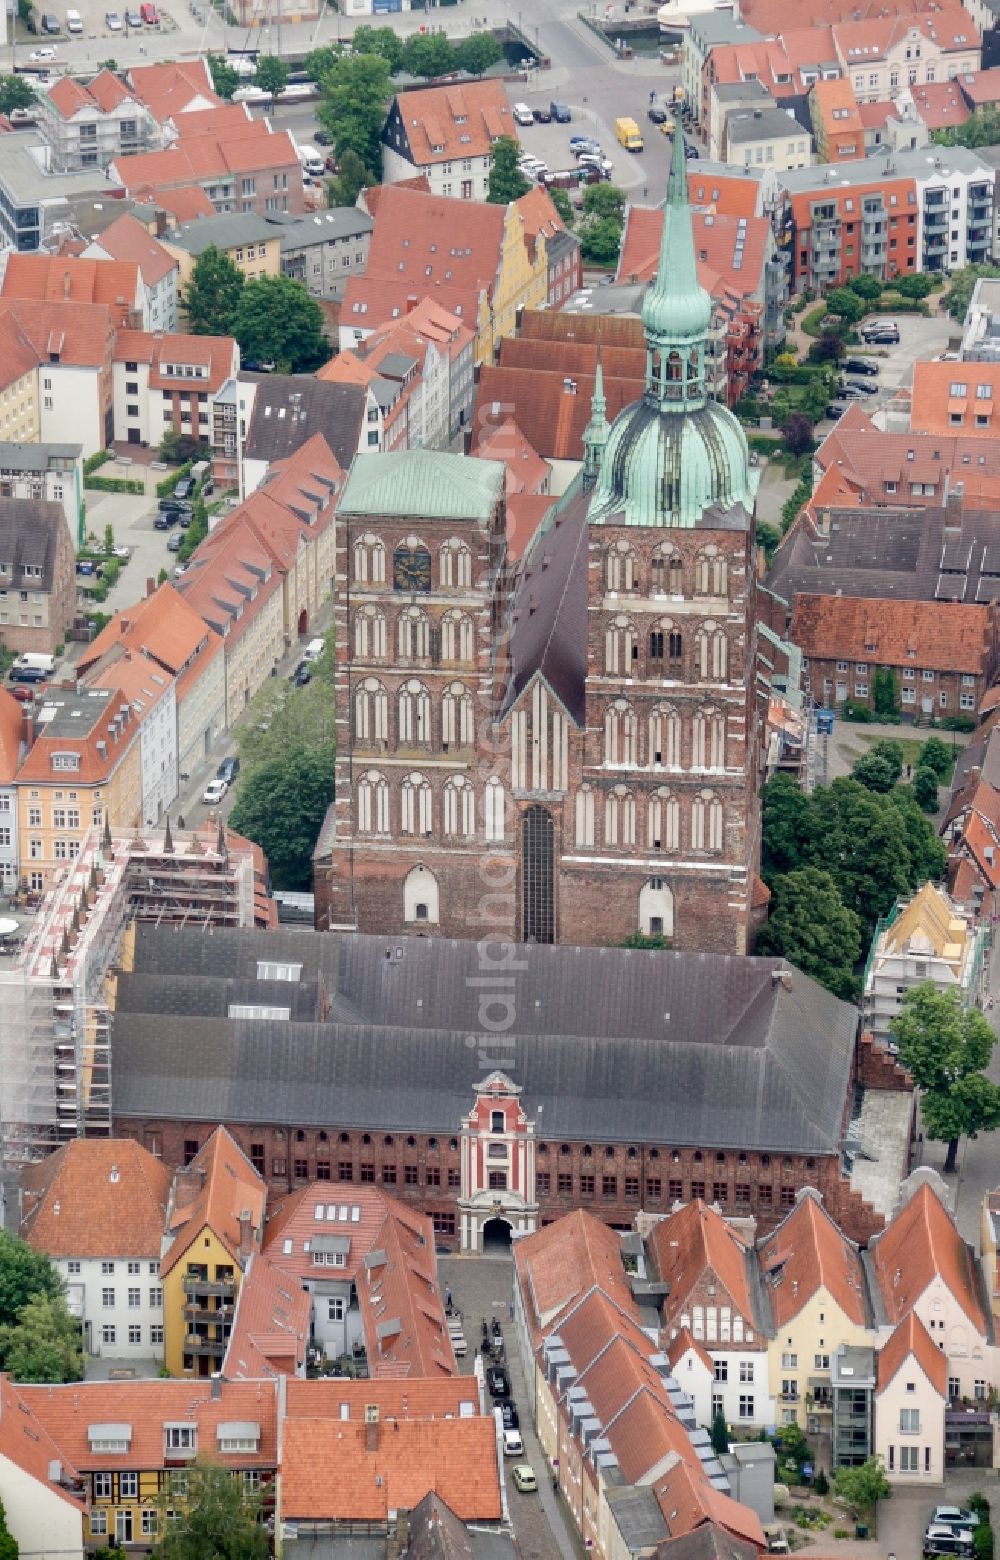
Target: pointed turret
595	435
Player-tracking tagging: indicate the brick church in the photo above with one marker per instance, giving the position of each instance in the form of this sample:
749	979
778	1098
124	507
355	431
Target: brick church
567	750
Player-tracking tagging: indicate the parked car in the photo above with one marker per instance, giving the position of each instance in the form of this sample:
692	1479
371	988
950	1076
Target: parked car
881	338
301	675
121	551
524	1478
584	143
522	114
513	1446
603	165
174	541
172	506
214	791
854	365
50	24
164	520
149	15
42	54
25	692
690	151
228	769
508	1414
656	116
184	488
836	409
940	1539
321	138
85	566
498	1381
560	113
955	1516
884	332
856	389
112	21
133	19
541	116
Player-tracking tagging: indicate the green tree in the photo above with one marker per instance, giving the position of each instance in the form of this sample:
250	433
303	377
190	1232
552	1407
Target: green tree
219	1520
872	865
43	1344
864	1485
926	851
355	91
829	348
867	287
353	177
284	721
560	199
24	1273
14	93
212	295
914	285
507	182
428	54
225	80
384	41
793	826
478	52
885	692
281	806
878	770
946	1048
8	1543
845	303
960	288
925	788
320	62
719	1434
601	241
277	321
272	75
604	200
810	925
797	434
938	756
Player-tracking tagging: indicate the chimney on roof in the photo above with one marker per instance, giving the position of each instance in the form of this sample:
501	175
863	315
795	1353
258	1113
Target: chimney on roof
216	1385
246	1234
123	625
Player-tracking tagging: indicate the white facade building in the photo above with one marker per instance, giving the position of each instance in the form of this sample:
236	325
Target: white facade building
927	939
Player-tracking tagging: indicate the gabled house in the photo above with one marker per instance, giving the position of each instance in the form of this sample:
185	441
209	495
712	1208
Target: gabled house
911	1398
97	1208
447	133
44	1496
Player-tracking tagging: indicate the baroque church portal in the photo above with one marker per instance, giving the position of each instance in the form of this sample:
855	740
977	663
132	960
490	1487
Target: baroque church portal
566	749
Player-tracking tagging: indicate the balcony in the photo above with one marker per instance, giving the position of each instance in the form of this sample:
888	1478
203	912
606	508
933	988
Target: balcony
205	1313
194	1343
936	221
935	244
224	1288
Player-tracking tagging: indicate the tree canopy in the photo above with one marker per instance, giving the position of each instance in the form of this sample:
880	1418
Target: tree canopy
272	74
218	1520
428	54
384	41
946	1048
212	295
478	52
281	806
8	1543
24	1273
355	92
810	925
346	185
43	1344
225	79
601	224
507	182
277	321
960	288
560	199
863	1485
15	92
879	768
846	303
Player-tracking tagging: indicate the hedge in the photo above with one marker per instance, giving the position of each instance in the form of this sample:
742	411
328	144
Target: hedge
811	321
798	500
764	443
166	487
115	484
94	461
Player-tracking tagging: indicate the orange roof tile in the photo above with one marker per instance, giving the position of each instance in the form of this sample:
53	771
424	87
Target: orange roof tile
67	1412
679	1346
26	1442
940	104
11	726
525	513
460	120
527	472
559	1264
932	401
695	1242
165	628
96	1197
69	96
770	16
216	353
806	1253
97	725
174	87
230	1186
981	87
687	1499
184	205
728	194
271	1327
127	239
413	1397
54	278
715	238
946	636
82	333
107	91
339	1471
921	1243
912	1340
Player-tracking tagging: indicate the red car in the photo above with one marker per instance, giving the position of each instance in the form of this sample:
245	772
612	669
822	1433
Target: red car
25	692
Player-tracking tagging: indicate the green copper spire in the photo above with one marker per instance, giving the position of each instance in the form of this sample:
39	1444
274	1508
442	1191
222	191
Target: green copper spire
676	311
595	435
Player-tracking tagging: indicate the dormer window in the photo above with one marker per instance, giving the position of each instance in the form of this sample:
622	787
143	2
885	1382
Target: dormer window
238	1436
180	1440
106	1440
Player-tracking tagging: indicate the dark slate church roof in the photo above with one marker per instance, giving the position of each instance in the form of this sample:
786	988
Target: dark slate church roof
548	632
628	1046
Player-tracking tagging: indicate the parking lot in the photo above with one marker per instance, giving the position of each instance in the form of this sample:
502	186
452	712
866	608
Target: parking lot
919	337
132	521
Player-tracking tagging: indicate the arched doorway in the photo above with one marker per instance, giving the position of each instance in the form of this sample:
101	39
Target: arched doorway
303	623
538	921
496	1238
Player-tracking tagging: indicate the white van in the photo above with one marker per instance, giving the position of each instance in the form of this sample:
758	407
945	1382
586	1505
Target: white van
523	114
74	22
312	161
314	649
32	668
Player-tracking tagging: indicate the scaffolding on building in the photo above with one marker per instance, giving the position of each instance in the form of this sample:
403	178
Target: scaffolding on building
57	993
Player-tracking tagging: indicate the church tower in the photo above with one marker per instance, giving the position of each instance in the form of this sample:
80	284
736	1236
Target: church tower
662	832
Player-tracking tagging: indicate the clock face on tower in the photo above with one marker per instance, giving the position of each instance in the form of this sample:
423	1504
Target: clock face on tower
411	569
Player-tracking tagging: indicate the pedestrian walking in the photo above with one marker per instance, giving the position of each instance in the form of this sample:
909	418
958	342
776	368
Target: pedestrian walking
447	1299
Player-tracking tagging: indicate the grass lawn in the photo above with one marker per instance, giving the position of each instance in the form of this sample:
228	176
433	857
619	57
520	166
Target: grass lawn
862	740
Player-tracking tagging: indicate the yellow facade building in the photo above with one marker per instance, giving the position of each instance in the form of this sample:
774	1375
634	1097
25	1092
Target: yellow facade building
253	245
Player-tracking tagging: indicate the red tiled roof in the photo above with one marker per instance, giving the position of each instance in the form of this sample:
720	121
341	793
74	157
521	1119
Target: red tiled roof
230	1186
715	238
932	402
726	193
527	472
26	1443
203	156
940	104
184	205
169	89
696	1242
687	1499
948	27
127	239
81	333
67	1412
539	399
107	91
525	513
95	767
946	636
11	725
559	1264
271	1327
806	1253
337	1470
163	627
69	96
770	16
911	1339
684	1341
445	123
981	87
216	353
96	1198
413	1397
921	1243
54	278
